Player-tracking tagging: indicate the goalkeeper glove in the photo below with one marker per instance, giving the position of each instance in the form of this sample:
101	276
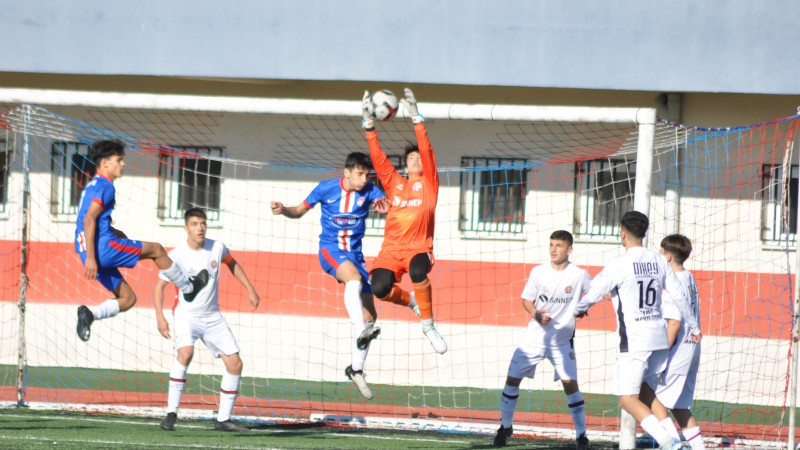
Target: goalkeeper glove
367	115
410	104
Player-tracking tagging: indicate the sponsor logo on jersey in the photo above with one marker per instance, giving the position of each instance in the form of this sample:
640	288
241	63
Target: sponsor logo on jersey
396	201
213	264
400	187
568	289
331	200
360	201
412	202
417	186
649	268
345	221
553	300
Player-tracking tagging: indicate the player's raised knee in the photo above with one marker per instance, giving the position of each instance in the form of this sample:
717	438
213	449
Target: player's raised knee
381	288
153	250
126	301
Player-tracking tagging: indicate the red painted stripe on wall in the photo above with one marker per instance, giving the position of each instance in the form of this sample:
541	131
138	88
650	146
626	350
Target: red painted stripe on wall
465	292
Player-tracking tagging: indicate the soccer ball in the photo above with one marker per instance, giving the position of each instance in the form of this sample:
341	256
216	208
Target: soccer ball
383	104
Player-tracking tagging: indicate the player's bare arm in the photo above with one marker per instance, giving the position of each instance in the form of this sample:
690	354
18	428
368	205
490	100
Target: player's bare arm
292	212
238	272
89	232
539	315
673	326
158	304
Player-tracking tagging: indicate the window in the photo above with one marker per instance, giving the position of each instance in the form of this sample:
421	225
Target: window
492	195
376	221
5	164
779	207
604	192
187	179
71	170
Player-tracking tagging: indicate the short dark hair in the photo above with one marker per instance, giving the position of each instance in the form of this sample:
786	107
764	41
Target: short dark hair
677	245
562	235
410	148
105	148
635	223
358	159
193	212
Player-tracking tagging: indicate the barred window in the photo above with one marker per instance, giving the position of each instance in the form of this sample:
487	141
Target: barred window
779	204
492	195
70	170
604	192
5	163
189	179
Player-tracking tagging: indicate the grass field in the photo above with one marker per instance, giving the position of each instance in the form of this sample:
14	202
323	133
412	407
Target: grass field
458	398
260	397
24	428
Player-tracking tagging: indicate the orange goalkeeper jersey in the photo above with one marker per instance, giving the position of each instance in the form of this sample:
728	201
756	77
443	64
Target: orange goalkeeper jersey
410	221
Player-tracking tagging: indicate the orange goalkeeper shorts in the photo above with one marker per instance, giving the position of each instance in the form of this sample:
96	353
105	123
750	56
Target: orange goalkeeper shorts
398	260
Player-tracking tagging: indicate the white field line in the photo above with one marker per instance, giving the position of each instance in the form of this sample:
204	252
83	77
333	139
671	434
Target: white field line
418	424
6	438
200	427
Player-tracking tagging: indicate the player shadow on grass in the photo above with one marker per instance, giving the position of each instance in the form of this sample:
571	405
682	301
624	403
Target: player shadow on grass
287	430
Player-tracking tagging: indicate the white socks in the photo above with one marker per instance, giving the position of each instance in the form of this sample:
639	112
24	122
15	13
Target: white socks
352	302
578	410
669	425
359	356
228	390
105	310
508	402
651	425
177	381
694	439
178	276
355	309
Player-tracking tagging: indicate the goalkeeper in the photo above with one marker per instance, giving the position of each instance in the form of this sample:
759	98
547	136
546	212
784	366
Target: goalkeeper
408	235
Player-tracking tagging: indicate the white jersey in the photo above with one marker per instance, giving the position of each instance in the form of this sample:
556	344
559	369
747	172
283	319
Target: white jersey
683	351
556	291
210	257
635	281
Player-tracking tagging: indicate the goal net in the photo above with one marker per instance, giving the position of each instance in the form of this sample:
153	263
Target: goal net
509	178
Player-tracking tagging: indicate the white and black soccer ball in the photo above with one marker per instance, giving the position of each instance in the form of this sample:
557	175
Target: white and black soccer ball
383	104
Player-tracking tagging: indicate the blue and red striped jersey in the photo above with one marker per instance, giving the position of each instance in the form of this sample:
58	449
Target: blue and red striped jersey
343	212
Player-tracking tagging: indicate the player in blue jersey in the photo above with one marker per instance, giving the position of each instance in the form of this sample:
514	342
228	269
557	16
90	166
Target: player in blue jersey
345	204
103	248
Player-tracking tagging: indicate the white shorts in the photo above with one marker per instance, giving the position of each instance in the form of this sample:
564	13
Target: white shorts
635	368
523	363
676	391
210	328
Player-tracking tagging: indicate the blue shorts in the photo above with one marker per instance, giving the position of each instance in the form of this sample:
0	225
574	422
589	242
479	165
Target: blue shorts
113	253
331	257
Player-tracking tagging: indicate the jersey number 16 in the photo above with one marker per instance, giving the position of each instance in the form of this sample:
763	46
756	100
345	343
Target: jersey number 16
647	296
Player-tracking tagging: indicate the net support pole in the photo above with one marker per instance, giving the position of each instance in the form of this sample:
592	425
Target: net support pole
672	196
793	371
643	188
642	192
22	359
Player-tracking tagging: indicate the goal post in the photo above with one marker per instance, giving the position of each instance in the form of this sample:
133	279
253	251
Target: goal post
510	175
